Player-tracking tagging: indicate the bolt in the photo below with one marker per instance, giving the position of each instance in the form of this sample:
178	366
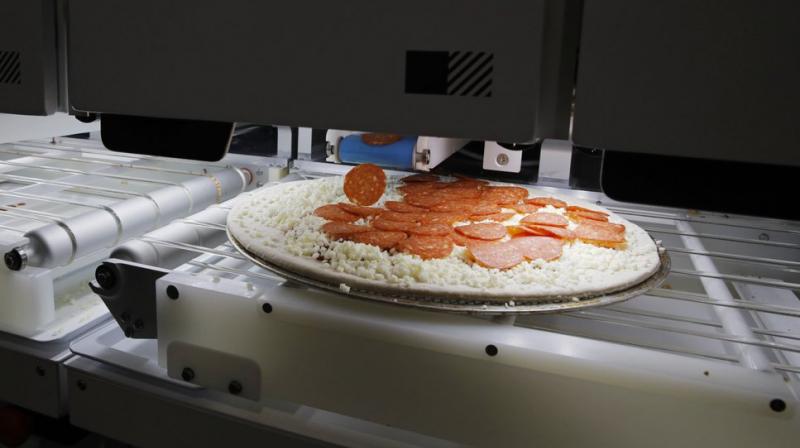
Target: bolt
81	384
139	324
105	276
40	370
266	307
187	374
125	317
763	237
777	405
235	387
172	292
16	259
491	350
502	159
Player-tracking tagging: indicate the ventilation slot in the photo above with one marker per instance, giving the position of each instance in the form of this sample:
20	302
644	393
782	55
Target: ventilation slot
10	67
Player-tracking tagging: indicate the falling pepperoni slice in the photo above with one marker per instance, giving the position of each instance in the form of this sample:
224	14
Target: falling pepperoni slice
435	229
402	217
525	208
427	247
402	207
496	255
483	231
380	139
600	236
444	218
557	232
545	219
497	217
333	212
578	215
534	247
421	177
395	226
381	238
365	184
359	210
543	201
338	229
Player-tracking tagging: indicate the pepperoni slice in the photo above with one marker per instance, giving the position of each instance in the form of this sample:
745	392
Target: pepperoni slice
459	239
504	194
338	229
402	207
359	210
427	247
486	208
533	247
619	228
545	219
462	206
365	184
600	236
525	208
421	177
543	201
435	229
380	139
577	208
396	226
497	217
333	212
496	255
460	192
402	217
381	238
425	200
418	187
483	231
557	232
444	218
578	215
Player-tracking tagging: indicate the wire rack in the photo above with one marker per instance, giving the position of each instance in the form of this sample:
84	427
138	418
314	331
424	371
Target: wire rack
732	294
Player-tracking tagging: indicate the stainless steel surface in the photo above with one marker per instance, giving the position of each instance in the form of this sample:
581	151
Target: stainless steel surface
149	193
489	307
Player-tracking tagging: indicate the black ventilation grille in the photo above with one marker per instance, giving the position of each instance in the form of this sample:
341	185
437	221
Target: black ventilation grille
10	67
454	73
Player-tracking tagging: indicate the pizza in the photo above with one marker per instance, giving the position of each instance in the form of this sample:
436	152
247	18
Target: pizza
454	237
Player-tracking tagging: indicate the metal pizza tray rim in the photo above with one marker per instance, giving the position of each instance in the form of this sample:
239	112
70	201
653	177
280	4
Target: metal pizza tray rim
553	304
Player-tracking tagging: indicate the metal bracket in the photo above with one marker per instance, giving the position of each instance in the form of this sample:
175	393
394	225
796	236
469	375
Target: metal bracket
129	291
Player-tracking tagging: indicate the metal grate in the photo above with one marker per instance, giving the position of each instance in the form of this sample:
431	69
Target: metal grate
10	67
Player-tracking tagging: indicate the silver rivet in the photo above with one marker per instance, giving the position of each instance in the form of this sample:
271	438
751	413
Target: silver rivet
502	159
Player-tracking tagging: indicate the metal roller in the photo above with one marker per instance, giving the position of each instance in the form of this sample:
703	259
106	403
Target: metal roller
59	243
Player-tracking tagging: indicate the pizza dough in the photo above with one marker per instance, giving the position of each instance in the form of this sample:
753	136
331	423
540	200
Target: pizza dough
277	224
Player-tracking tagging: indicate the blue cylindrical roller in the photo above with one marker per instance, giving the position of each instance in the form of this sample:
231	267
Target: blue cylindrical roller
399	154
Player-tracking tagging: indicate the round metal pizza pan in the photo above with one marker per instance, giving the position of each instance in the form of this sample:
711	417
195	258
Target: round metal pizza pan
437	302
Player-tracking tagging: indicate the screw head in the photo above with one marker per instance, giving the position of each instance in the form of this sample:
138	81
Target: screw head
105	277
187	374
777	405
763	237
235	387
491	350
40	370
81	384
172	292
266	307
139	324
502	159
125	317
15	259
